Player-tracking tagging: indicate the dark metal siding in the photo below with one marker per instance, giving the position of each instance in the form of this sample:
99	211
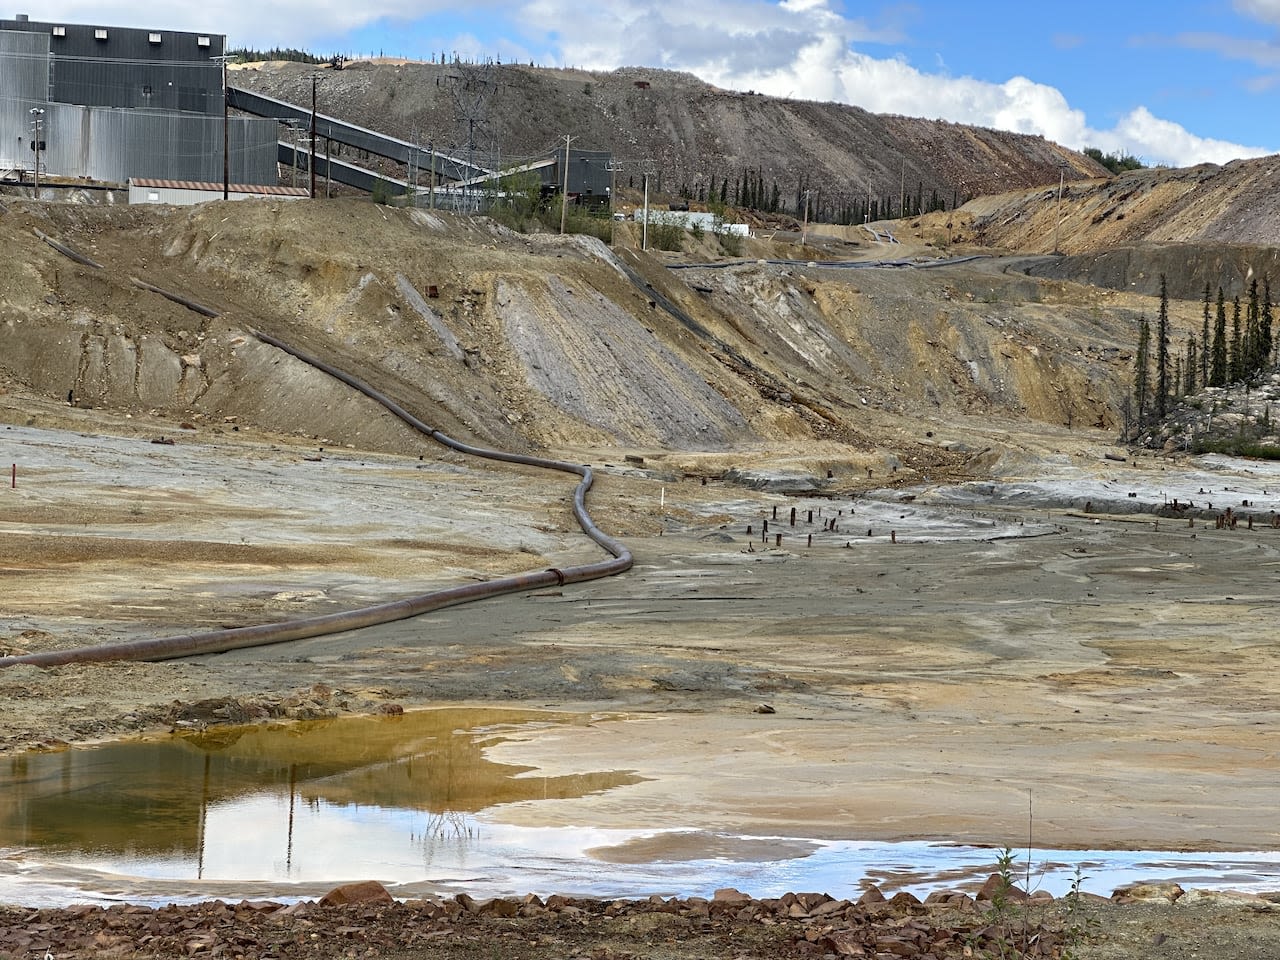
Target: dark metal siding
128	70
588	172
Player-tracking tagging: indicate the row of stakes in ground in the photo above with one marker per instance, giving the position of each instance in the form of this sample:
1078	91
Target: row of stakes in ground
828	525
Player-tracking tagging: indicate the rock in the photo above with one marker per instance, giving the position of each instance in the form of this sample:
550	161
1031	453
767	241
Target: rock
871	895
843	943
829	908
730	895
367	891
498	907
764	708
1148	891
997	886
1235	898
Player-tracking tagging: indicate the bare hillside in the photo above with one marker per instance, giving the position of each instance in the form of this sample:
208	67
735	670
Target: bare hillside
1205	224
684	131
545	341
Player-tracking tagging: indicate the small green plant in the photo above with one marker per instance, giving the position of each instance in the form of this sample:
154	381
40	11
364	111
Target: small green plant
1078	922
667	236
731	244
1007	920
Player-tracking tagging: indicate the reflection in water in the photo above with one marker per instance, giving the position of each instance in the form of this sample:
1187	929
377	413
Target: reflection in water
281	802
290	811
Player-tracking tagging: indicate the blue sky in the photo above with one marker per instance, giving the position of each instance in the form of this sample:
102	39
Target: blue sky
1177	82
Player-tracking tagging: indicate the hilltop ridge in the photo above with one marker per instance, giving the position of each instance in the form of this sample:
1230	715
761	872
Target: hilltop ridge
685	132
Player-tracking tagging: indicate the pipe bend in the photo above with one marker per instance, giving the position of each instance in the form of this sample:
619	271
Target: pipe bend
220	641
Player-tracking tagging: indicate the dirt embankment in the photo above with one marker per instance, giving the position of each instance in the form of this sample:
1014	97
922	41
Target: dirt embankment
538	341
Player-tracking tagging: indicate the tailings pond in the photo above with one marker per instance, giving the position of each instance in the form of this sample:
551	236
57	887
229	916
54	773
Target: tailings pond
289	811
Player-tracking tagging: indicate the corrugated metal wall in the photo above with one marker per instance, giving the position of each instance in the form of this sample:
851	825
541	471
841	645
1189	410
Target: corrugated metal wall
134	143
24	83
113	145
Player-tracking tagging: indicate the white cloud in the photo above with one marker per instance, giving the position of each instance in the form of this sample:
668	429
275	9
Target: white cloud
803	48
1268	11
1151	138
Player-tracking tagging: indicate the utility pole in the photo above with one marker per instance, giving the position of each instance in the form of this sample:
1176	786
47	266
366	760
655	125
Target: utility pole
644	230
37	122
902	190
564	193
314	80
226	131
432	145
613	167
804	231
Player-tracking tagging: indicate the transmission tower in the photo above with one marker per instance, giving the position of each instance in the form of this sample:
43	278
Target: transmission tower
473	87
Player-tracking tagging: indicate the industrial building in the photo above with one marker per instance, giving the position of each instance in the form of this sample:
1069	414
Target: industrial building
185	192
114	103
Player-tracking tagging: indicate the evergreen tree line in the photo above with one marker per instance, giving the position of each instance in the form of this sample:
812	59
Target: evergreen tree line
748	191
1220	356
249	55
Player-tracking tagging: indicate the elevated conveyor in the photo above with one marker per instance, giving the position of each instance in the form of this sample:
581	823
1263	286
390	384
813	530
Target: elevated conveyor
447	167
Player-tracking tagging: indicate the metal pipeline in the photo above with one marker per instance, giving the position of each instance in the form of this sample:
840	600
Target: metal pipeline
67	252
219	641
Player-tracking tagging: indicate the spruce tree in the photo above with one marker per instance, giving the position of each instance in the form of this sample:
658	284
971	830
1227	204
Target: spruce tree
1218	365
1141	371
1252	333
1190	368
1162	353
1235	365
1204	340
1264	323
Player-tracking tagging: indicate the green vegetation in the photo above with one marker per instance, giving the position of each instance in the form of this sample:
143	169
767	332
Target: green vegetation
249	55
667	236
516	202
1233	358
1016	925
1236	447
1115	162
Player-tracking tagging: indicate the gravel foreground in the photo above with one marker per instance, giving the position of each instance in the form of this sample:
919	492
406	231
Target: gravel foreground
363	920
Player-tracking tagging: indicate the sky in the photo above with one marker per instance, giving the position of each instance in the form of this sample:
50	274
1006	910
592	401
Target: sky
1175	82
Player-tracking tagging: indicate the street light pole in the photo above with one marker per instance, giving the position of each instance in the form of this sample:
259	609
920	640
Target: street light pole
37	114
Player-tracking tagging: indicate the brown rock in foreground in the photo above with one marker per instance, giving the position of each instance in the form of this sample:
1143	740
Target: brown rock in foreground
368	891
732	924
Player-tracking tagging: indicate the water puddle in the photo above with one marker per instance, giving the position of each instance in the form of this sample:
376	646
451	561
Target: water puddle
290	811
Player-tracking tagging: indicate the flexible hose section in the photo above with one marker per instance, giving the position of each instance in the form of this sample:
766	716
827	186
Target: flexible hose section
218	641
